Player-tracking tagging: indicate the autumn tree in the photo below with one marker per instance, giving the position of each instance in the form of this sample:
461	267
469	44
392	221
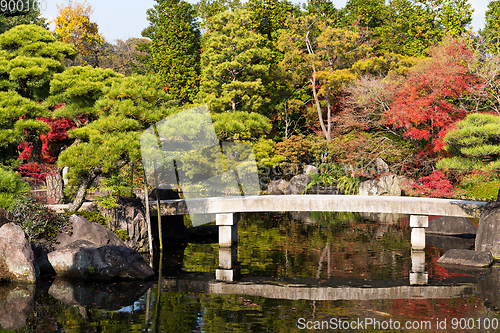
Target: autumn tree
323	56
74	26
231	64
428	102
175	48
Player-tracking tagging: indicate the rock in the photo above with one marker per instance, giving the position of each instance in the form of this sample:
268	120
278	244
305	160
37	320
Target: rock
85	259
310	170
381	168
104	295
466	258
297	184
16	304
488	231
386	185
450	225
277	187
129	215
488	287
5	217
17	261
93	232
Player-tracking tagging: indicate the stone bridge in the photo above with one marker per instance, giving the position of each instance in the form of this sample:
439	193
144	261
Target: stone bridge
227	212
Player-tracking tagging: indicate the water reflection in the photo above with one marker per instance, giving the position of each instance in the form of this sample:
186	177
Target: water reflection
336	266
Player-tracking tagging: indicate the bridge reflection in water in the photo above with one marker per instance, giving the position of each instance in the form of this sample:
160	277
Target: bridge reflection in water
229	268
227	214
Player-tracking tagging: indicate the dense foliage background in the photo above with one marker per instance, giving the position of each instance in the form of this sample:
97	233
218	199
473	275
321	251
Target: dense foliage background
404	81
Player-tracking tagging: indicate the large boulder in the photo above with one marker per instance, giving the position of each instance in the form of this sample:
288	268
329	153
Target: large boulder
385	185
450	225
85	259
16	304
277	187
466	258
129	215
93	232
488	231
17	261
298	184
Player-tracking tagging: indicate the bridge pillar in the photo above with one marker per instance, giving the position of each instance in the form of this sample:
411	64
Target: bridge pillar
418	274
229	269
418	223
228	228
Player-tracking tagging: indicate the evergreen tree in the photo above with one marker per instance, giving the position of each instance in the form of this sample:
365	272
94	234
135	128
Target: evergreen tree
30	14
78	88
103	146
492	25
412	26
29	57
475	144
175	49
18	122
231	64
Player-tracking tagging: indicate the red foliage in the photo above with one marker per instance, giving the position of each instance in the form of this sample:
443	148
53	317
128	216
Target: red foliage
436	185
424	107
37	172
58	131
51	141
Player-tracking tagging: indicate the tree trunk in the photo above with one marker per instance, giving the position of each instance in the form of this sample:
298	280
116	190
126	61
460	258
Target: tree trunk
55	187
312	79
36	150
82	190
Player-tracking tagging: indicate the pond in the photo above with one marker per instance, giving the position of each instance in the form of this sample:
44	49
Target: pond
317	271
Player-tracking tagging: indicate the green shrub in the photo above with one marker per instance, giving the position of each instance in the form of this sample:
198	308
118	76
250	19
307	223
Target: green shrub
39	222
479	186
11	184
92	216
334	174
122	234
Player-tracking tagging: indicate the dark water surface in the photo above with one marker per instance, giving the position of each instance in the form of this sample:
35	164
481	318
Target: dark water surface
323	271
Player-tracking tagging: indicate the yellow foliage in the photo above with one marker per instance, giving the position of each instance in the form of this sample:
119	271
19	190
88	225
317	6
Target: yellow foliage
73	26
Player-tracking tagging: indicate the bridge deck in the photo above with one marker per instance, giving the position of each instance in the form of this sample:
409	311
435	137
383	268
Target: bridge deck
326	203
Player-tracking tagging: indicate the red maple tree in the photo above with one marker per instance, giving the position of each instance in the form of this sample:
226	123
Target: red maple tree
427	102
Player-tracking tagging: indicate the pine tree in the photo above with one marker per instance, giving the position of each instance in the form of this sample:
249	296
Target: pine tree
231	64
475	144
106	144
